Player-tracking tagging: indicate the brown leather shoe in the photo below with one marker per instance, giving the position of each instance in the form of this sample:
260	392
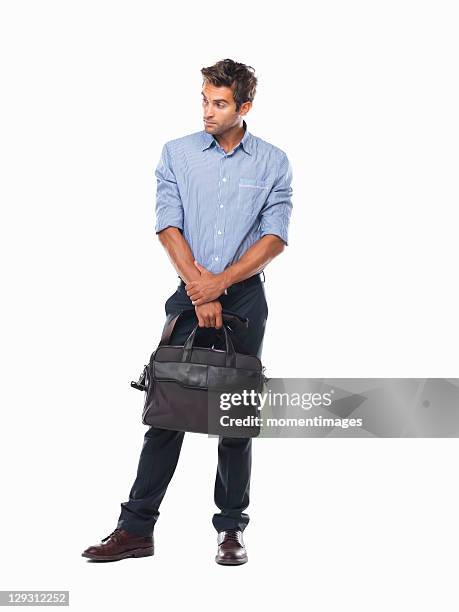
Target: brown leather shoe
120	544
231	549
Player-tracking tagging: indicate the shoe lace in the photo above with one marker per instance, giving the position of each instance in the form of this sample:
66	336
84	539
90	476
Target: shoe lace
233	534
113	533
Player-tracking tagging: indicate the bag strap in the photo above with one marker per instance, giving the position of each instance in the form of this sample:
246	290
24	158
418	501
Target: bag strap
228	316
169	326
230	359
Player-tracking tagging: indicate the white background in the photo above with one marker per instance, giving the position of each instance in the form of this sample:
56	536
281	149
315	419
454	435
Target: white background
363	97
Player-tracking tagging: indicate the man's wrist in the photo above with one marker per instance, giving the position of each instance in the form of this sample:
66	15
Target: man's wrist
227	278
214	301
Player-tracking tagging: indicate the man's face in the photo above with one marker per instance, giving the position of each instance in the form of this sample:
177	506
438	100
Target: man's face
219	109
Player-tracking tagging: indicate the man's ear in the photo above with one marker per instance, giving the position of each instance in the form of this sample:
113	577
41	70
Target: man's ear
245	107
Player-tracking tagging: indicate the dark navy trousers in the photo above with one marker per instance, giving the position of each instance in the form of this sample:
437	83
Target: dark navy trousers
161	447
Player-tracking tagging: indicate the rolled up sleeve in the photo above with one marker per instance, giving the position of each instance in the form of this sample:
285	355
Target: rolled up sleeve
275	214
169	208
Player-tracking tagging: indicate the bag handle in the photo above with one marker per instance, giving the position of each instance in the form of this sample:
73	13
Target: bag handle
227	315
230	360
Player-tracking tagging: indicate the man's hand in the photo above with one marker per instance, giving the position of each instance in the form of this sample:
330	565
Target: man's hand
206	289
209	314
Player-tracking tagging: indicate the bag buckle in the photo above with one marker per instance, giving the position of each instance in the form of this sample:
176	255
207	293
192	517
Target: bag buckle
140	384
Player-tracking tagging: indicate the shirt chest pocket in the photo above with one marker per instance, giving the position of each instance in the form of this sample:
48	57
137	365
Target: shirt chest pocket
252	194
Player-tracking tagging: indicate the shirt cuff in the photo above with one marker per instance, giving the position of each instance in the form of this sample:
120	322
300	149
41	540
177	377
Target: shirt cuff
282	234
163	223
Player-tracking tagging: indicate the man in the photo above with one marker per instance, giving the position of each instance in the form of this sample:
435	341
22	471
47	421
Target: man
222	214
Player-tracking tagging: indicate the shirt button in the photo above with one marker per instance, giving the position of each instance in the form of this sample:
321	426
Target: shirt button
219	232
216	258
221	205
224	179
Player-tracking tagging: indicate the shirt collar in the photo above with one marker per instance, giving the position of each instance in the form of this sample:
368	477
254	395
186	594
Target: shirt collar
208	140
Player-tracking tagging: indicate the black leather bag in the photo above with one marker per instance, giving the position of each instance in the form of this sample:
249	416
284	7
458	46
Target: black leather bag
185	385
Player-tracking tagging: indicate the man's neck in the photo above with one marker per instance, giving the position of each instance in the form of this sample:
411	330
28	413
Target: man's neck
231	138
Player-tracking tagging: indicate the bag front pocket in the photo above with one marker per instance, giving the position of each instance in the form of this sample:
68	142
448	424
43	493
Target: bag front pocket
251	195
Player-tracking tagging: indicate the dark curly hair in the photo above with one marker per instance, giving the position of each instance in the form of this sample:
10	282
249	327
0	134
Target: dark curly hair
226	72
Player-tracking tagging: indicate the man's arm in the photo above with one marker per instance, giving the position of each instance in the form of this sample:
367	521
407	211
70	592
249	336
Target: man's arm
169	218
169	208
210	286
209	314
169	227
179	253
255	259
274	223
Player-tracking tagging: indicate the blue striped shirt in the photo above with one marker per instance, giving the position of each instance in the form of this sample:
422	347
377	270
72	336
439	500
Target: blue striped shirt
223	202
